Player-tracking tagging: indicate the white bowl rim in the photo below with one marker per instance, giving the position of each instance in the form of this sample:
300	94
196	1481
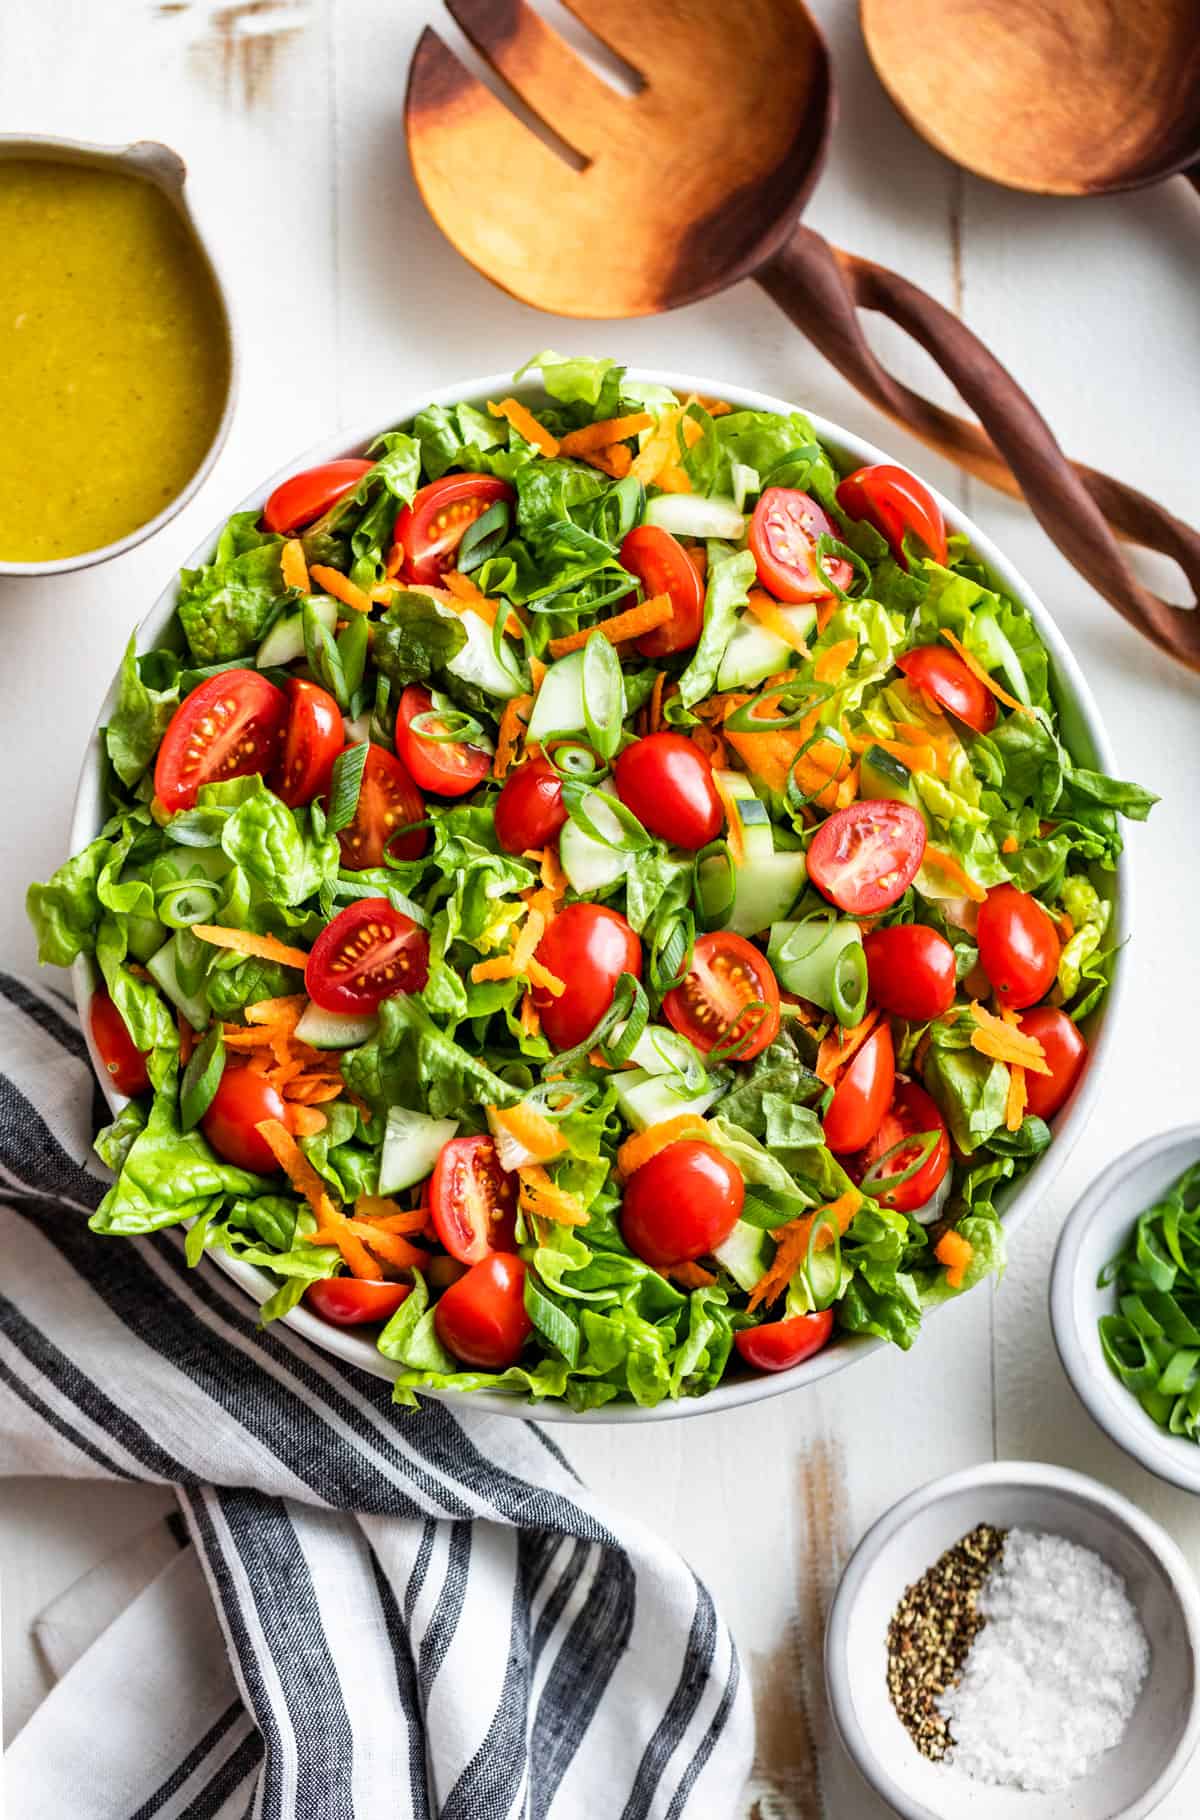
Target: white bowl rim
1071	682
1119	1511
162	166
1114	1409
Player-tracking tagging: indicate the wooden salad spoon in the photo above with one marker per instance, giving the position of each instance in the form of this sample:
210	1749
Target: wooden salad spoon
1062	97
698	180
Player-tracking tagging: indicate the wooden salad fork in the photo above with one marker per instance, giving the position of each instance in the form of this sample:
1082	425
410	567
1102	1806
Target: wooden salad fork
698	180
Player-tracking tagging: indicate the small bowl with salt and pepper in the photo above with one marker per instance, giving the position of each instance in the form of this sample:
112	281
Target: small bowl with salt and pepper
1016	1639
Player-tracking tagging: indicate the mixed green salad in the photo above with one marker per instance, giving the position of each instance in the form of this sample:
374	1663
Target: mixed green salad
590	893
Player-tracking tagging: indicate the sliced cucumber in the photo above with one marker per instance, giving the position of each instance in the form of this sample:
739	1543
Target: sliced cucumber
744	481
804	956
589	864
284	643
746	1254
754	652
692	515
885	778
163	969
559	704
335	1029
412	1143
749	824
477	661
648	1099
767	888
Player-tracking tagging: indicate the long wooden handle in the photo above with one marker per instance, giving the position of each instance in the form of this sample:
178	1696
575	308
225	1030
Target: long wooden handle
822	289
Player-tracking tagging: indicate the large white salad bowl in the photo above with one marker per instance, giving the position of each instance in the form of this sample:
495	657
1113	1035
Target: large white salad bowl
1081	730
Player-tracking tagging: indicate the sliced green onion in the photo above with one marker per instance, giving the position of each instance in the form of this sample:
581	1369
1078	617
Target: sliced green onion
633	838
639	1015
482	537
188	901
571	758
828	545
559	1099
344	786
623	1000
848	987
809	934
807	695
795	797
671	952
505	643
446	725
603	694
390	858
823	1263
353	643
201	1078
794	468
714	897
755	1010
192	959
879	1181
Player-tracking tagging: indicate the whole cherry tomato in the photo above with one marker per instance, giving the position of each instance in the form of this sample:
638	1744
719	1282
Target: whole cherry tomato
1018	946
944	677
588	947
242	1101
1065	1052
300	500
895	501
529	809
911	1115
481	1318
862	1094
668	783
681	1204
351	1302
727	973
447	767
911	970
663	566
778	1345
125	1064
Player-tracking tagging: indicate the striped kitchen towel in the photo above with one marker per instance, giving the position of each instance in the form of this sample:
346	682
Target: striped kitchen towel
380	1612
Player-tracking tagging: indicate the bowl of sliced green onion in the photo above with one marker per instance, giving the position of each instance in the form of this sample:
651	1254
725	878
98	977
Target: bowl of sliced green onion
1125	1303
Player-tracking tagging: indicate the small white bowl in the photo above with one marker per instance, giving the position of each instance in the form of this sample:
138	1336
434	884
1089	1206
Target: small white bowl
1132	1778
1095	1232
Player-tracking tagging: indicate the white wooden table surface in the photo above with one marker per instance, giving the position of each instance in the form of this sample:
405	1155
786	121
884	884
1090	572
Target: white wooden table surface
290	118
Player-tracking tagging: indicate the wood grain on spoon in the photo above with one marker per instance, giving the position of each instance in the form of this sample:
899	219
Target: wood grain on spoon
1063	97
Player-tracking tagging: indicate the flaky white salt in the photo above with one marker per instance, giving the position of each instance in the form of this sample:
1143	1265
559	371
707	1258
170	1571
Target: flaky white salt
1052	1678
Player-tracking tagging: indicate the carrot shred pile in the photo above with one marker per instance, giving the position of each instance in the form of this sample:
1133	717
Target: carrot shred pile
999	1040
946	863
615	461
540	1196
622	626
835	660
525	424
595	436
460	592
955	1253
258	947
520	960
638	1149
791	1246
979	672
292	566
512	725
841	1046
342	588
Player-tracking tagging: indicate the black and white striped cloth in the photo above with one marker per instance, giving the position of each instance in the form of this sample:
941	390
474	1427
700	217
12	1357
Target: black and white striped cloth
382	1612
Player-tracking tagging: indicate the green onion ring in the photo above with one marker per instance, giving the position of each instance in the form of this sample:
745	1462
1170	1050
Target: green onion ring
848	986
816	1253
877	1177
713	919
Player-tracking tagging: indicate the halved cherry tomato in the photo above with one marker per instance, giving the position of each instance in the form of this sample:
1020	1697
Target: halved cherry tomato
387	799
473	1200
783	540
352	1302
864	858
662	566
481	1319
1066	1053
1018	946
231	726
242	1101
429	531
911	971
125	1064
369	951
778	1345
447	767
668	783
588	947
862	1094
895	501
300	500
313	740
529	809
681	1204
911	1114
943	677
727	973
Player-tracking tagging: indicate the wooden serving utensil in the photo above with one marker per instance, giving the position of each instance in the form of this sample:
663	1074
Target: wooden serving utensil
1062	97
698	180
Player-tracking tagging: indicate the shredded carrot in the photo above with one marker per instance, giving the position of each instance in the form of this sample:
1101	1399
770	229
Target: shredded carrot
525	424
656	701
833	662
392	1247
461	593
292	566
1066	927
689	1276
1016	1098
1000	1040
614	461
554	879
531	1023
342	588
296	1166
791	1245
238	1037
977	669
542	976
1009	844
770	614
622	626
712	746
259	947
525	946
955	1253
658	451
336	1229
537	1135
539	1195
733	822
537	670
382	593
318	1090
946	862
390	1213
595	436
825	612
716	407
308	1121
637	1150
841	1046
511	727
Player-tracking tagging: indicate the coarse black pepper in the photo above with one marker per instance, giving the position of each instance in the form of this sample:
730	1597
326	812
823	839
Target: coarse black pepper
931	1631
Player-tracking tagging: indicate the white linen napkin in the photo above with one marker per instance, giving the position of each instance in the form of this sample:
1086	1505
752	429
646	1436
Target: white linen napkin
380	1613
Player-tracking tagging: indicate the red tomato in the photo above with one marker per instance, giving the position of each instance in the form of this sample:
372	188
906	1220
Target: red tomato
242	1101
862	1095
387	799
911	971
305	497
783	539
911	1114
588	947
230	726
865	857
429	531
943	677
351	1302
473	1200
369	951
313	740
481	1319
447	767
1066	1053
124	1064
778	1345
529	809
1018	946
668	783
681	1204
663	566
895	502
727	972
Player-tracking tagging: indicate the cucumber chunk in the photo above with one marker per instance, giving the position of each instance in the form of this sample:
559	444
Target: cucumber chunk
746	1254
885	778
477	661
647	1099
335	1029
809	971
163	969
754	652
692	515
749	824
412	1143
284	643
767	888
559	704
